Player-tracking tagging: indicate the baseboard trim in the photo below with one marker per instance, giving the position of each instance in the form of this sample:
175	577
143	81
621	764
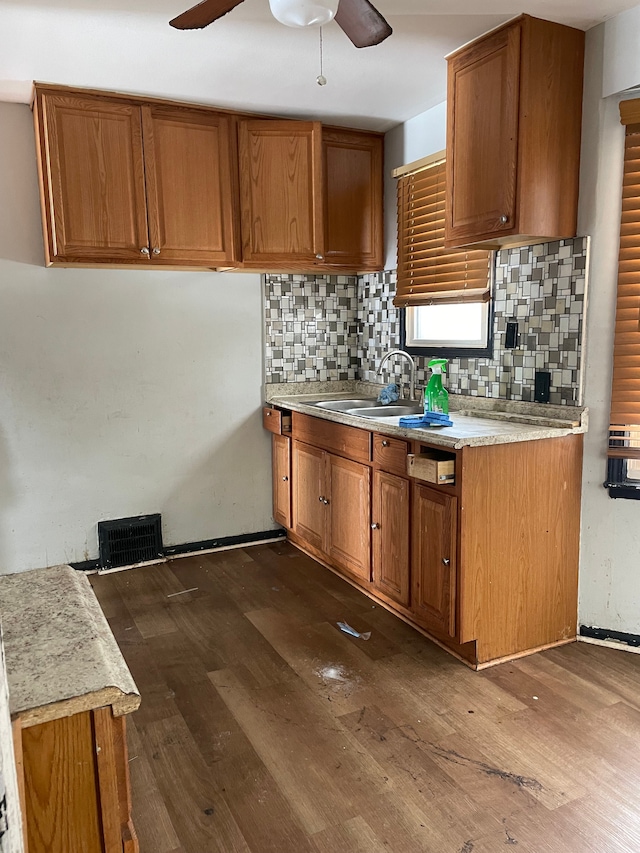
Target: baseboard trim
607	637
224	543
209	546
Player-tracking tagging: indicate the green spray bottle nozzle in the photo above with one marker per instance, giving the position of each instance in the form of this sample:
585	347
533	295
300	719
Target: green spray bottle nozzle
438	365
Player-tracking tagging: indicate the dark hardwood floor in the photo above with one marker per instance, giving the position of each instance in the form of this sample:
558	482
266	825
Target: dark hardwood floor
264	729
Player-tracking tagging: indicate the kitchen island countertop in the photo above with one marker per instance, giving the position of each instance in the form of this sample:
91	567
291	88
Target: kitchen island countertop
61	656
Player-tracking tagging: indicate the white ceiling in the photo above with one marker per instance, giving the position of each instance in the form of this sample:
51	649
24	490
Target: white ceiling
248	60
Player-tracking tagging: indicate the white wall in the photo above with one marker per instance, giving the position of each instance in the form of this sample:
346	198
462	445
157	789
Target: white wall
121	392
621	55
609	577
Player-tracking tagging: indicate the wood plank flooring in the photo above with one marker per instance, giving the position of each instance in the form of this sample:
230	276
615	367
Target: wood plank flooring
264	729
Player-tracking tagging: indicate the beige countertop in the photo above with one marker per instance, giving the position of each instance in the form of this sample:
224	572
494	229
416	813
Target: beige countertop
476	421
61	655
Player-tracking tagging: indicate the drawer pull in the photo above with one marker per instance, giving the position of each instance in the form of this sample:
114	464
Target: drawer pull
446	562
375	526
321	499
504	219
325	502
268	414
285	479
386	443
144	250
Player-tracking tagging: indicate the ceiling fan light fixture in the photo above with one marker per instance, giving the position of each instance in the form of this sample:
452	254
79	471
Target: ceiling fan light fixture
303	13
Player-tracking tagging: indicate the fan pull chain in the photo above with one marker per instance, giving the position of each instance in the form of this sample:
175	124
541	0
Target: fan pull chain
321	79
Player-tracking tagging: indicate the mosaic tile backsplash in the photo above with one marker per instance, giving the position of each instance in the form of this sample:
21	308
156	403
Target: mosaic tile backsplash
311	328
339	327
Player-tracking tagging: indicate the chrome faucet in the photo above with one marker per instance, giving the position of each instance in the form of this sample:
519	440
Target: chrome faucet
412	365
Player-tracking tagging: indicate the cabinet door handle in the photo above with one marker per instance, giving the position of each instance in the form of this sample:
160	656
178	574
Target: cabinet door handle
375	526
156	250
504	219
321	499
446	562
320	257
325	502
144	250
268	414
285	479
386	443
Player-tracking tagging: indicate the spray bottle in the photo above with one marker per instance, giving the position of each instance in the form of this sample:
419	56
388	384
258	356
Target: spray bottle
436	398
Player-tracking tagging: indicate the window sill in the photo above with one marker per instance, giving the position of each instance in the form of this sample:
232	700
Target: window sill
623	490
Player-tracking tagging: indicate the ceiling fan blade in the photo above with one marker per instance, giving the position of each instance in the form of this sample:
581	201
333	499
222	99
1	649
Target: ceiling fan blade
203	14
362	22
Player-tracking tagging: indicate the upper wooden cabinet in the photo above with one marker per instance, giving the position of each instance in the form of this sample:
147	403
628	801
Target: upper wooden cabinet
280	193
125	181
92	170
137	184
189	170
311	197
353	199
513	135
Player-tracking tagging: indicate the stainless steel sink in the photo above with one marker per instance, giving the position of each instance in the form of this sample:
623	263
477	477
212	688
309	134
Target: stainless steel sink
387	411
346	405
370	408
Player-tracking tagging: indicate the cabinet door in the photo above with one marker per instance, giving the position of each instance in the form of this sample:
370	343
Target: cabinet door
433	562
390	536
280	192
353	207
309	494
282	480
93	179
349	516
482	143
189	169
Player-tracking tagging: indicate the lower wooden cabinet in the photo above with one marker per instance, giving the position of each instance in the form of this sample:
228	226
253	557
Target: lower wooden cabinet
309	494
331	497
348	511
282	480
75	776
433	564
486	563
390	536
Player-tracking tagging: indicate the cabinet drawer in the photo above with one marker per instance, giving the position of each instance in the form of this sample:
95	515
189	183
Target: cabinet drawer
432	467
340	439
390	454
275	420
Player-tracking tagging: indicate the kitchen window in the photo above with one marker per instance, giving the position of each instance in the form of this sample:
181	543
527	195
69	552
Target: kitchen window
446	293
623	471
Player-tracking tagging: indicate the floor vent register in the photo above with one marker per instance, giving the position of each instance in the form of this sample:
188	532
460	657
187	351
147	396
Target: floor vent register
127	541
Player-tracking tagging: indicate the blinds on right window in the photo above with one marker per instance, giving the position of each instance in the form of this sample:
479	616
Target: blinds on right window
624	431
427	272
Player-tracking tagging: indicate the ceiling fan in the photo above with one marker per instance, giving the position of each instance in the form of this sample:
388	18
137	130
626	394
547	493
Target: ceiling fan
359	19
